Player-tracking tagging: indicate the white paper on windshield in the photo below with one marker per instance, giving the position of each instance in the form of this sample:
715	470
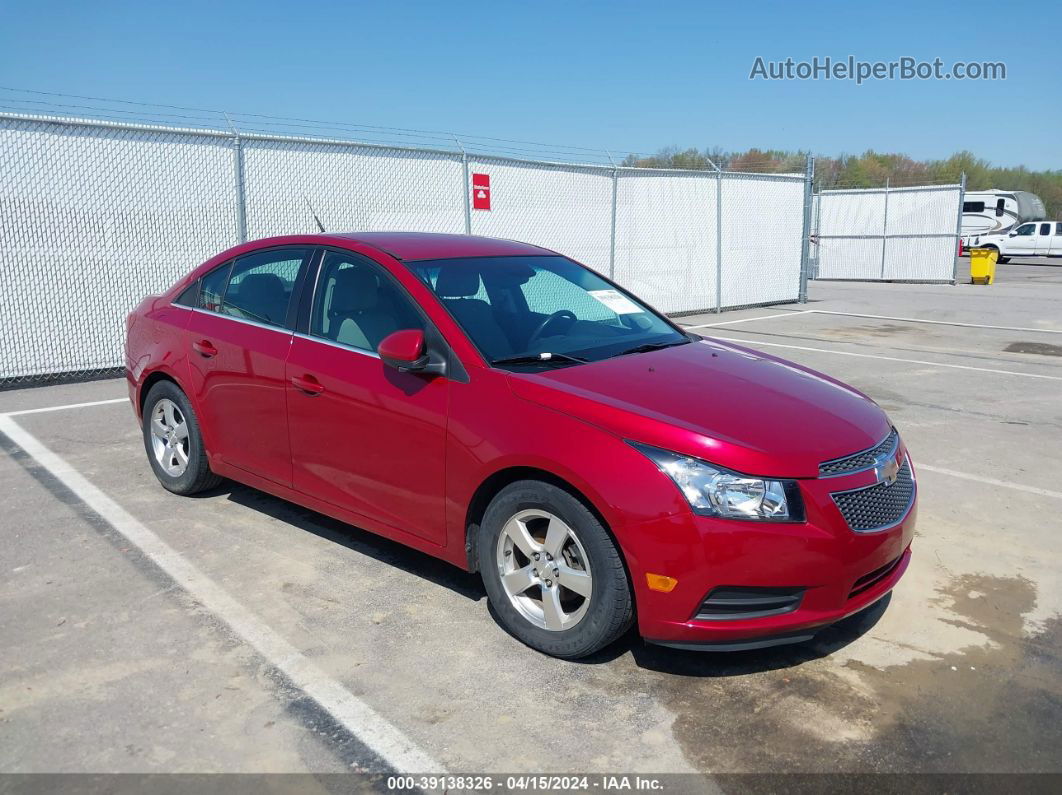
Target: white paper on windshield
616	301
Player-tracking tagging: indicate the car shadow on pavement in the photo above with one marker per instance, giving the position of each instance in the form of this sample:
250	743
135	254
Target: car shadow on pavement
363	542
649	656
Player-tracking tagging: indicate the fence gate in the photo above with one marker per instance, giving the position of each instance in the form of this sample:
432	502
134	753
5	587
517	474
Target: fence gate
906	234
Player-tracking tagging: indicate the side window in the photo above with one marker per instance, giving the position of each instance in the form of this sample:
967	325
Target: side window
1058	229
260	285
1045	229
357	304
212	288
1001	205
189	295
1026	229
547	292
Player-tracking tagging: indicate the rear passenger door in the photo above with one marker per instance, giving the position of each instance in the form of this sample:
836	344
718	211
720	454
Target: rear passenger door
239	337
1043	238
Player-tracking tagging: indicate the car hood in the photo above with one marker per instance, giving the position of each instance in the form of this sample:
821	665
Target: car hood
727	404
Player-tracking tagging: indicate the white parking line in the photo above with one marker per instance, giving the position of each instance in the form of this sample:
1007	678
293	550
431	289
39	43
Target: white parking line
374	731
794	313
992	481
934	322
20	412
797	312
757	343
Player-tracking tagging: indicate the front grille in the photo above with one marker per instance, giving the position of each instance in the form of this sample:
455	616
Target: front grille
731	602
868	581
862	460
879	506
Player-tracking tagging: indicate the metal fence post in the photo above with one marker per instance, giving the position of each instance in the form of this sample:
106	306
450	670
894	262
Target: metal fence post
884	228
466	197
958	229
816	230
718	239
805	242
241	195
612	244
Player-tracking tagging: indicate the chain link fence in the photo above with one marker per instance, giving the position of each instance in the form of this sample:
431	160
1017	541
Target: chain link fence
561	207
92	219
887	234
763	248
96	215
666	242
349	187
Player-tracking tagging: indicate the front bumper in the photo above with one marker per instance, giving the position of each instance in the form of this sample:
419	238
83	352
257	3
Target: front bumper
840	571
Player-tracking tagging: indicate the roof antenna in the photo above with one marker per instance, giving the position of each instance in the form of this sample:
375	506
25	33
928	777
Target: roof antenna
314	214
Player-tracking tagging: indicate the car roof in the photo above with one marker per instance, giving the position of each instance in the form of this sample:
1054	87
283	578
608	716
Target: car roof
429	245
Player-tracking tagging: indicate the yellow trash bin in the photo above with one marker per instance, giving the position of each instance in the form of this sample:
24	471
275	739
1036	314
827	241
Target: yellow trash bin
983	265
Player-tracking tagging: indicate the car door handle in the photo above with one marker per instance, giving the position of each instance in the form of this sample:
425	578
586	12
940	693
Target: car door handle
205	349
308	384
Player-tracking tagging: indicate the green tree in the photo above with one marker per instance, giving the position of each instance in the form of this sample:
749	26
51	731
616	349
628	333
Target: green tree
870	169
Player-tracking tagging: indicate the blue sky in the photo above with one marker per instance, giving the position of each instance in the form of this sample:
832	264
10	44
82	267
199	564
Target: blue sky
620	76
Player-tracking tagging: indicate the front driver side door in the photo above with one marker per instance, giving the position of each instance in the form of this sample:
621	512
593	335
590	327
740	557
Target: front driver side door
364	436
1023	242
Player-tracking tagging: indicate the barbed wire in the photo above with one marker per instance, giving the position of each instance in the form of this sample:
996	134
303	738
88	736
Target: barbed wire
85	107
16	100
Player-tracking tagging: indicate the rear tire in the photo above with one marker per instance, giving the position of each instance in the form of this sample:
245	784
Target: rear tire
173	441
574	598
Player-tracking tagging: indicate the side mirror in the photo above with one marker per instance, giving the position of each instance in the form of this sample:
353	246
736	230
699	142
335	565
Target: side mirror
405	351
1013	234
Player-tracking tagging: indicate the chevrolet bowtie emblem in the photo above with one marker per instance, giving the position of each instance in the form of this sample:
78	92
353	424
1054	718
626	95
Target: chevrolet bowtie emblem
886	471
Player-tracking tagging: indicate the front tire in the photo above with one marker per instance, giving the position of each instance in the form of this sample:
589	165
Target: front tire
552	573
173	441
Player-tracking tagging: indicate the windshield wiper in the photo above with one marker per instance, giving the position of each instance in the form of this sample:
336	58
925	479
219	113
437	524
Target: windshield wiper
651	346
541	358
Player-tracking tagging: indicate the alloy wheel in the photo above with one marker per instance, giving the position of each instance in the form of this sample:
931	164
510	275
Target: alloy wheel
544	570
169	437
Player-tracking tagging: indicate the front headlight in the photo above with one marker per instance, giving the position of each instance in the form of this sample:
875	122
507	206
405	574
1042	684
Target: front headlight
713	491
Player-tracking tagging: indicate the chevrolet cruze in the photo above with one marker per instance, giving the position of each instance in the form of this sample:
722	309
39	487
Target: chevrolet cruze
508	410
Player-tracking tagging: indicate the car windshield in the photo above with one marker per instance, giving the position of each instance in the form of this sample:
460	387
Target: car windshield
538	312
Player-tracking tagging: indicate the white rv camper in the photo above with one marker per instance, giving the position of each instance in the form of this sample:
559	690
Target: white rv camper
996	212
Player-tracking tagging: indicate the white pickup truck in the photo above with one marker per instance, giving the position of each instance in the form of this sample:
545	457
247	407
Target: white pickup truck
1032	239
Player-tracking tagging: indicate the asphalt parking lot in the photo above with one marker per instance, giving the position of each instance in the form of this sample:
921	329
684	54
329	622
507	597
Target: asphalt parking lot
272	639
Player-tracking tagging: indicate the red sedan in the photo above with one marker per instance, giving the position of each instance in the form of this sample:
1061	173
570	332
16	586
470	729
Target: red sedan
508	410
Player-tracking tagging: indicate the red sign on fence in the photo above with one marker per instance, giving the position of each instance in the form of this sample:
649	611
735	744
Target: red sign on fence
481	191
